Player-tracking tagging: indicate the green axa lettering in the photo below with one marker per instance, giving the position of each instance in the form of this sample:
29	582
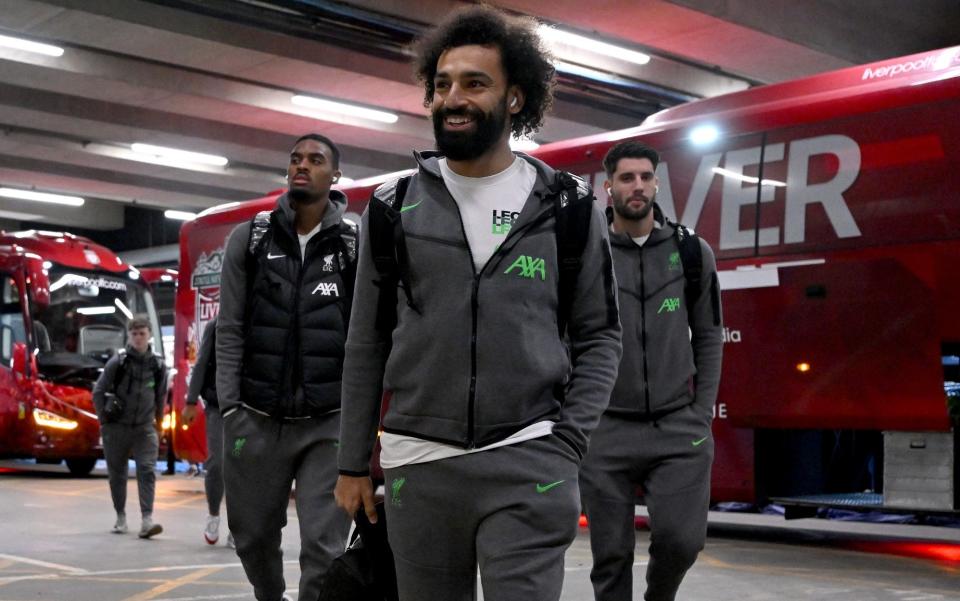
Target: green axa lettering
529	267
669	305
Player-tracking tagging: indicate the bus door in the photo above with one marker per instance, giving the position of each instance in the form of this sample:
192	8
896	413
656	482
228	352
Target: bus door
12	334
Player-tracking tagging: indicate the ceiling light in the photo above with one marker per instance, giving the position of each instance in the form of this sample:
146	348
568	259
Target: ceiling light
557	36
28	46
704	134
74	201
97	310
342	108
175	154
523	144
179	215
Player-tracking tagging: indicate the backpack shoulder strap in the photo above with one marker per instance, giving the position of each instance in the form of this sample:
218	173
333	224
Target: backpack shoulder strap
691	259
121	368
259	226
573	207
389	250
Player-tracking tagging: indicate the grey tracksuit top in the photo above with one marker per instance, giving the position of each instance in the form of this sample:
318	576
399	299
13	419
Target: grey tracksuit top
483	357
661	358
138	389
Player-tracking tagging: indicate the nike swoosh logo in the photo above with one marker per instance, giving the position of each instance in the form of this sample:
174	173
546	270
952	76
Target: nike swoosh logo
697	443
269	256
542	488
408	207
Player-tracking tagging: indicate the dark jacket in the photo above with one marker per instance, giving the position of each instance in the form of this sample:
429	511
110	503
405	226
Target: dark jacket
283	352
665	365
141	386
482	356
203	378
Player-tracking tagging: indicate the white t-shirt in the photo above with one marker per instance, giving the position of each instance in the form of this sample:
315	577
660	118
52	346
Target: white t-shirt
489	207
304	238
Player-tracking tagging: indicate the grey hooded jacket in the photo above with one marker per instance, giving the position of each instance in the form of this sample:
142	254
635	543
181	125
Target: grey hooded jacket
665	365
141	387
481	357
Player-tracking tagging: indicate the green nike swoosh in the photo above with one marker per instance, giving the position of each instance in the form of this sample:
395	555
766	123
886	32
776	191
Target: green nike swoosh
408	207
697	443
542	488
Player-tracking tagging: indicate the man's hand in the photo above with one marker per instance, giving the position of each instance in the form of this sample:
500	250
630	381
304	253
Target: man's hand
189	414
352	492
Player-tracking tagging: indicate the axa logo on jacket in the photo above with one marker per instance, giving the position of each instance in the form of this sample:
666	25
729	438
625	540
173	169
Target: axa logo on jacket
327	289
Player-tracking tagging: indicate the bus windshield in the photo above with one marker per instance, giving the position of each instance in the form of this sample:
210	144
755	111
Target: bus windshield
86	321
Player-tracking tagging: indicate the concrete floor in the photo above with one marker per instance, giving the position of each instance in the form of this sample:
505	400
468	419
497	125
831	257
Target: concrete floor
55	544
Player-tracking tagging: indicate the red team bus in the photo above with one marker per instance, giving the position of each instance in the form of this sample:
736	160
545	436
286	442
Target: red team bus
64	306
833	205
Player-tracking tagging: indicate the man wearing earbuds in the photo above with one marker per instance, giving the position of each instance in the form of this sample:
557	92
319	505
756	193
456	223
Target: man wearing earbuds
656	431
285	294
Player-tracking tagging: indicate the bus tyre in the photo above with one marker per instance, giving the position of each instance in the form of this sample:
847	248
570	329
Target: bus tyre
81	467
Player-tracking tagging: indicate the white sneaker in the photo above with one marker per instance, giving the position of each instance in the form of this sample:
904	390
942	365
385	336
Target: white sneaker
120	527
148	528
211	533
230	541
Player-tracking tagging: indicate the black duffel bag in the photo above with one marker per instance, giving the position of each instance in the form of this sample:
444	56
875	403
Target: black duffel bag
365	571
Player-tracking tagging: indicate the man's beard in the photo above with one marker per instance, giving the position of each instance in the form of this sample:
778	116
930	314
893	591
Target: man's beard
466	146
623	208
302	196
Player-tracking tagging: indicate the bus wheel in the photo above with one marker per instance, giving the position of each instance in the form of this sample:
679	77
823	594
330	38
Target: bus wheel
81	467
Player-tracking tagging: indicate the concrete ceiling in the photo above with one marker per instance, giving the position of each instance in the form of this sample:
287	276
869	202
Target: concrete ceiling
216	76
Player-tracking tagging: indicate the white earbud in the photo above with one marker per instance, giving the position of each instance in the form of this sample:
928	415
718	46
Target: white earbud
513	102
656	188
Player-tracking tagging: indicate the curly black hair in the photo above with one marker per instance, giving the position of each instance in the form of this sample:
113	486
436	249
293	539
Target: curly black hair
526	61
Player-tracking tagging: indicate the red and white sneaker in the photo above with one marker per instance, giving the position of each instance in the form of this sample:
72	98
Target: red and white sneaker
211	533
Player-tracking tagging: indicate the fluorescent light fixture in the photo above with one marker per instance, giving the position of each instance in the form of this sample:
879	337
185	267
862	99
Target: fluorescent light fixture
747	178
166	278
704	134
97	310
73	201
123	308
523	144
180	215
28	46
342	108
175	154
18	216
557	36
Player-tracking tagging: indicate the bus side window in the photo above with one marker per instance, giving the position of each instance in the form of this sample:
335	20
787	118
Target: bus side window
11	318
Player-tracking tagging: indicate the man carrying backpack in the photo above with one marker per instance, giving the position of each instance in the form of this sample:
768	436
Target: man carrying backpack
128	397
285	294
656	431
464	294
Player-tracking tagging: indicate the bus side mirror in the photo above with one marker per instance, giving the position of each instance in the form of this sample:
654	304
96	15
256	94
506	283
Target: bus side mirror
19	360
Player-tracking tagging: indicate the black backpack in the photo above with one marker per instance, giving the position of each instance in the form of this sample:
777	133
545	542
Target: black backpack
573	206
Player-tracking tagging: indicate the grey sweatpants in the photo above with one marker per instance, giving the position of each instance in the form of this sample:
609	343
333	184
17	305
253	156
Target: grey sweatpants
213	480
119	442
513	510
671	460
262	459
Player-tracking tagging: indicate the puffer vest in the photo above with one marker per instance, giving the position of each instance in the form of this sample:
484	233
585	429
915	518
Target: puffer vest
297	314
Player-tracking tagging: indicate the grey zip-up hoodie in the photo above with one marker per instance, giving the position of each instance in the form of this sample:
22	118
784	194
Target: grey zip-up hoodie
233	299
481	356
140	388
664	365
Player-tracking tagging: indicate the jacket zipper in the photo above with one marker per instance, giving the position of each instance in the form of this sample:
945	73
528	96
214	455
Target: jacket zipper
643	334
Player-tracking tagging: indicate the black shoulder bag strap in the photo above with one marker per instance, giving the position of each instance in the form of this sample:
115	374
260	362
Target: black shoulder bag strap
389	251
691	259
572	211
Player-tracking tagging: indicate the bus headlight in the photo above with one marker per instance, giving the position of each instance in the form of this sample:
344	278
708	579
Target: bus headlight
44	418
169	421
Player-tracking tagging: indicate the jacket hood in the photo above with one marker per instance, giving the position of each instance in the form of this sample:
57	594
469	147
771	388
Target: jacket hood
658	234
336	207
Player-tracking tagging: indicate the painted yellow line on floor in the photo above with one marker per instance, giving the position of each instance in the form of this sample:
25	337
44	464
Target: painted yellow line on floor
172	584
